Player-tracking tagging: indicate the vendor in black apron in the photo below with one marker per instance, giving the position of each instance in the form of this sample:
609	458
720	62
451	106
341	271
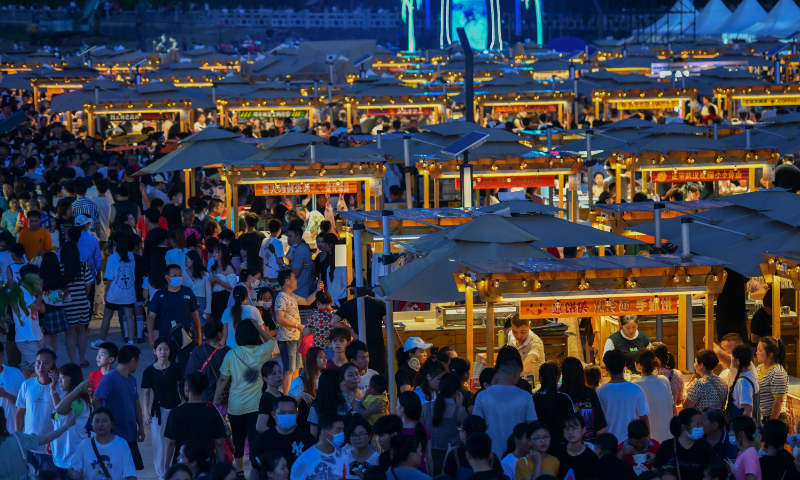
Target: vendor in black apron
628	340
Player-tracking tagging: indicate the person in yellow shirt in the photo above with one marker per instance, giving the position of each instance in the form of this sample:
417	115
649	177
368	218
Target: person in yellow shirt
376	392
538	462
36	240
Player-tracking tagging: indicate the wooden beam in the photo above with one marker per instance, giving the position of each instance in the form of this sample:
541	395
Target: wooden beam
751	179
490	334
228	199
684	314
435	192
469	325
776	307
560	194
426	178
711	327
349	241
187	181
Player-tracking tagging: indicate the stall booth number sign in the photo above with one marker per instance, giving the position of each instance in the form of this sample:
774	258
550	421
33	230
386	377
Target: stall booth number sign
509	182
317	188
595	307
664	176
121	117
244	114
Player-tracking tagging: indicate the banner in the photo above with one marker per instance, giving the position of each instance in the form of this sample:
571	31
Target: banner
479	183
307	188
120	117
666	176
593	307
523	108
645	104
245	114
765	101
400	112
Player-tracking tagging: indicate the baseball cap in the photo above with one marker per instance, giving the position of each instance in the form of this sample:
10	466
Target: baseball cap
416	342
157	178
82	220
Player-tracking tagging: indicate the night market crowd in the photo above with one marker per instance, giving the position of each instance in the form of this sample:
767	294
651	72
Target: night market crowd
258	354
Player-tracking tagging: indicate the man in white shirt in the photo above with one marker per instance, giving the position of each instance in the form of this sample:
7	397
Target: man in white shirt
517	404
622	400
103	204
529	345
724	351
11	380
327	458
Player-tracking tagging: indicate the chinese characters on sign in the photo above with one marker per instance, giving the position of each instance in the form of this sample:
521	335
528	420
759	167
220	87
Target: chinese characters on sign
305	188
271	113
647	104
510	182
120	117
524	108
615	306
663	176
400	112
767	101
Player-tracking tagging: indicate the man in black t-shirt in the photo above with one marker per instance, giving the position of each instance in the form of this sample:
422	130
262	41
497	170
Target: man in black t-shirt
375	316
611	467
194	419
761	324
479	456
286	437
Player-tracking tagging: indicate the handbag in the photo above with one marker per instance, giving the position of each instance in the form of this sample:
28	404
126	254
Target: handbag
31	470
223	398
100	460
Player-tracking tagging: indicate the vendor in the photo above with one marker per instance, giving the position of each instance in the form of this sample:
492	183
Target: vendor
409	358
628	340
529	345
761	323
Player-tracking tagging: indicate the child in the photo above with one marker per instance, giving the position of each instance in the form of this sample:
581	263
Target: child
592	374
106	354
18	260
538	462
377	391
340	338
319	323
638	443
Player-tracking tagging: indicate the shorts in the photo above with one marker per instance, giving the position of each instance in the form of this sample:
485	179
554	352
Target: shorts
54	320
116	306
290	357
28	350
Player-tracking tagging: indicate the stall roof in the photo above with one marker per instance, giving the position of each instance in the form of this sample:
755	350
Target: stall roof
516	207
538	265
685	206
412	214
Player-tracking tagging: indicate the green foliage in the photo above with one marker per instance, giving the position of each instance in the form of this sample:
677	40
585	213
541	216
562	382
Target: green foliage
14	296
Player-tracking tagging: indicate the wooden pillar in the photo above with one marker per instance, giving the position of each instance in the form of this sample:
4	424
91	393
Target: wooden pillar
560	194
90	124
711	327
435	115
348	107
435	192
468	326
234	224
359	197
561	113
187	181
632	185
618	189
36	97
228	199
367	200
597	108
682	314
751	180
426	189
349	241
797	312
190	116
69	123
490	334
776	306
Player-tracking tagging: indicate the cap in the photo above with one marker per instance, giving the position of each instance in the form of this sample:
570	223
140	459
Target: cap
416	342
82	220
158	178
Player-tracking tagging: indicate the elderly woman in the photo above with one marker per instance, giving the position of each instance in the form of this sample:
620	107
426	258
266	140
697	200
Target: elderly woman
628	340
312	219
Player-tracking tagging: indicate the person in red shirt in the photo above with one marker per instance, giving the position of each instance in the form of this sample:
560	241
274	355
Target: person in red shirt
638	443
340	339
151	219
106	355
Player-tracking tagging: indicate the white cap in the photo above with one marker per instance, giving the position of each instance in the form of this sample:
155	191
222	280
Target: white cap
416	342
158	178
82	220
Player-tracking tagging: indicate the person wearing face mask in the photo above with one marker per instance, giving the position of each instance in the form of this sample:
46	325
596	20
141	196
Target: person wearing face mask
685	454
748	442
327	458
285	436
250	279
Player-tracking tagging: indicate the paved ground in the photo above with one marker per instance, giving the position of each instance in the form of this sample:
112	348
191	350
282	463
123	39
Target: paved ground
147	359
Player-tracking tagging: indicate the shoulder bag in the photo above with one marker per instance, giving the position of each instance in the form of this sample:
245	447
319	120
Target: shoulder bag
223	399
100	460
31	470
677	464
179	333
721	398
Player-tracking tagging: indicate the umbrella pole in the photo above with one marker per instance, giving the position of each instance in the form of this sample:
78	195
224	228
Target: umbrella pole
362	329
390	347
776	306
711	327
489	321
469	325
228	195
435	192
187	181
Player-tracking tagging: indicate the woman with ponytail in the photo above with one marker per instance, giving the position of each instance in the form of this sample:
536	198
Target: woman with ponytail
443	416
551	405
517	446
666	367
120	289
686	454
235	314
409	409
743	394
748	441
773	381
427	382
659	396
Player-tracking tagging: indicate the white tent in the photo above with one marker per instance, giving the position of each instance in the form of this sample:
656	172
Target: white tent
746	14
778	21
714	14
676	21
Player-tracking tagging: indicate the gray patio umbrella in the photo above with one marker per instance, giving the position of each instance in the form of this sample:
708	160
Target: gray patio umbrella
430	278
201	154
776	203
748	234
516	207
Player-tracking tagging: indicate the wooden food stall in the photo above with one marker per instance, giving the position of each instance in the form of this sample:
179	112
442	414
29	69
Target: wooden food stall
781	270
268	102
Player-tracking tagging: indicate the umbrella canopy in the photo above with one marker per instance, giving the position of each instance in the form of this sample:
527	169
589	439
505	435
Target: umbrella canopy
602	145
453	129
201	154
209	133
394	150
291	139
130	139
677	128
566	44
749	235
674	143
12	122
298	154
775	203
516	207
631	122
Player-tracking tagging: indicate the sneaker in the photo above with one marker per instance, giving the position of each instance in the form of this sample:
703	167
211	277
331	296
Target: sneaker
96	344
129	343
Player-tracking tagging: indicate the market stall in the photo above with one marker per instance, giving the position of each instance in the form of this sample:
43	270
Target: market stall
781	270
267	102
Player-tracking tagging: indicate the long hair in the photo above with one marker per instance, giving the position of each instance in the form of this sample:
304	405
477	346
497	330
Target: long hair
402	446
71	261
665	359
573	380
3	428
121	244
73	371
430	368
328	398
311	370
157	278
194	450
412	409
684	418
744	354
775	347
239	296
548	375
518	433
50	271
448	387
224	258
647	359
178	238
254	263
198	269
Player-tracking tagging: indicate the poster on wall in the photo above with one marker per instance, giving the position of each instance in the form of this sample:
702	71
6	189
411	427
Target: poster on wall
473	15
